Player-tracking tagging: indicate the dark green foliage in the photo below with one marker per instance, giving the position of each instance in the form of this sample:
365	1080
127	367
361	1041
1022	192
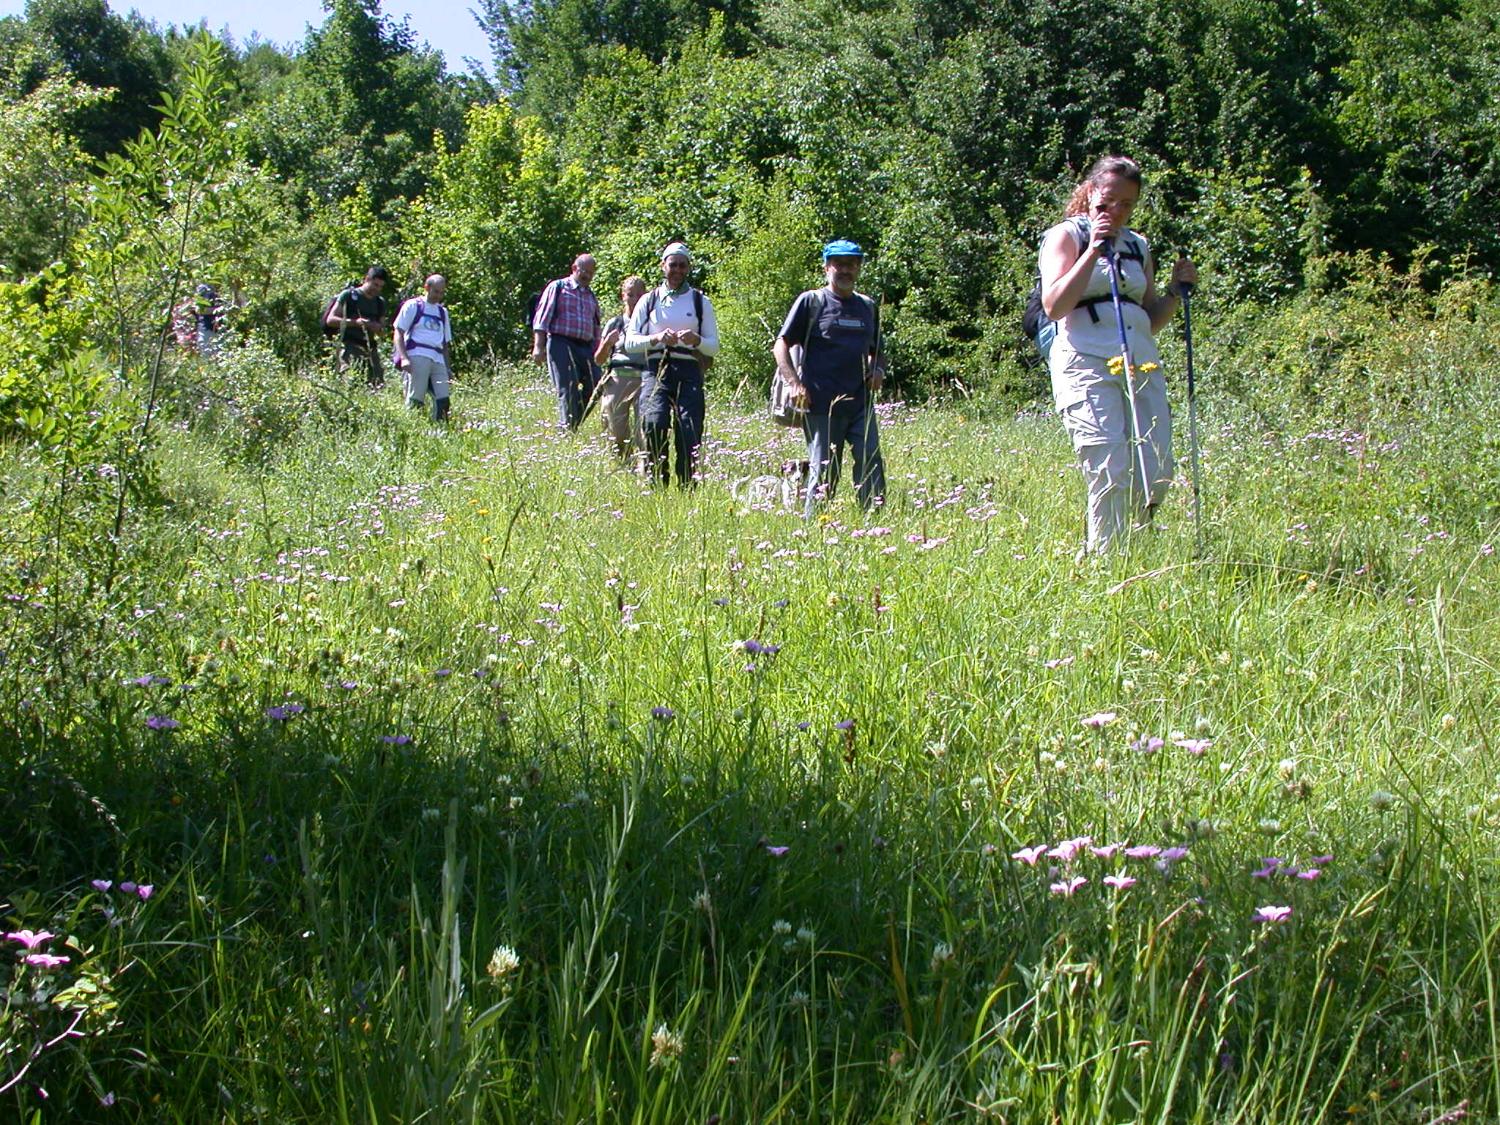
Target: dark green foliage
359	108
85	41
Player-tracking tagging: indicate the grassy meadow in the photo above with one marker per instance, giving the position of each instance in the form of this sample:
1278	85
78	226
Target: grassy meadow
448	775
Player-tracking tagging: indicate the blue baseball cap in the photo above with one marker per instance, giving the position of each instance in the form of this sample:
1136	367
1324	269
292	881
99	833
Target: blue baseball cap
842	248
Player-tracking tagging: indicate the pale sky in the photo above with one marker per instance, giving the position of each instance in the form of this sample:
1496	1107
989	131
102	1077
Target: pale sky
447	26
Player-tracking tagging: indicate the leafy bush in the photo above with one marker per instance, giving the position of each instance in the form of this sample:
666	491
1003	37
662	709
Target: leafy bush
251	404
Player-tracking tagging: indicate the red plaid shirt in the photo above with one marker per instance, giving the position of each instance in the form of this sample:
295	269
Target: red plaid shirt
568	309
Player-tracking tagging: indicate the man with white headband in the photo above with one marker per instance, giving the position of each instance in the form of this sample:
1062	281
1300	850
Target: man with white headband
675	328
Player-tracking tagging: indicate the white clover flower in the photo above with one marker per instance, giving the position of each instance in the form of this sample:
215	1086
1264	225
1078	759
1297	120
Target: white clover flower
798	999
781	927
942	953
806	935
702	902
1287	767
666	1046
1448	722
503	962
1269	826
1380	800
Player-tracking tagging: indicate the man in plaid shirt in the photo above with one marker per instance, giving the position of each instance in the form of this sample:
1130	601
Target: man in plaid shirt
565	332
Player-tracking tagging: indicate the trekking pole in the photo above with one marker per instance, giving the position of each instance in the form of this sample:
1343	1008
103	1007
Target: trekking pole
1113	261
1186	289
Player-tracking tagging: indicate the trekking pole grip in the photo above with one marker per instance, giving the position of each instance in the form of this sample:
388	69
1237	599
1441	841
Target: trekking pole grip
1184	288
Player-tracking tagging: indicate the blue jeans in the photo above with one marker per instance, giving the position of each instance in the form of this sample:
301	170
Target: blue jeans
672	400
850	421
574	375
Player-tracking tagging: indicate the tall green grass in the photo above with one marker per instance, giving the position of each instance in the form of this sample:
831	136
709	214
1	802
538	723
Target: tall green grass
517	711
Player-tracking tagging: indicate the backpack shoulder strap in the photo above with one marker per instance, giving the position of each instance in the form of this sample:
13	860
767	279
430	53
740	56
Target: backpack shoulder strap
814	310
698	307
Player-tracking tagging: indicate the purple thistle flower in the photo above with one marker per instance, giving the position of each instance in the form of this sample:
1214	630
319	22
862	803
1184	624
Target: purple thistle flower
395	739
1029	856
150	679
1099	720
127	888
804	725
1194	746
844	724
442	673
1321	860
1271	914
30	939
1271	863
101	885
1147	745
348	685
1310	873
162	722
46	960
663	714
776	851
781	603
281	712
1068	886
1172	855
721	601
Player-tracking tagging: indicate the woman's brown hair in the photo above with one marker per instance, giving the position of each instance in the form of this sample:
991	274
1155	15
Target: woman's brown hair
1104	167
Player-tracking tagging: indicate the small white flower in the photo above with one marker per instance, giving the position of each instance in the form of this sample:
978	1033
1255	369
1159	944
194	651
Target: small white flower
781	927
1380	800
702	902
942	953
806	935
503	962
666	1045
1287	767
798	999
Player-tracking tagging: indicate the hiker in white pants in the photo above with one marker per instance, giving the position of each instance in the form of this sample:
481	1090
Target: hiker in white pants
423	336
1089	381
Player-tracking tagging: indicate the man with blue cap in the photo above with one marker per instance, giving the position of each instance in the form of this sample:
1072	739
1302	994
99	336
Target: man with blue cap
842	368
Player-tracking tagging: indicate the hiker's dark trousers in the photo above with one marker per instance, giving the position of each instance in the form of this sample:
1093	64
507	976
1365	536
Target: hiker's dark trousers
672	401
850	421
571	365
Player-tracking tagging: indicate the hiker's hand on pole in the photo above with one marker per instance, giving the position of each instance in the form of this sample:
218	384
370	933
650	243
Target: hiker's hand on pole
1184	275
1101	231
689	337
876	379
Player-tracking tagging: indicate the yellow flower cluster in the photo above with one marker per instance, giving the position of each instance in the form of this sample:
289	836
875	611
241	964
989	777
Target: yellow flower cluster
1117	366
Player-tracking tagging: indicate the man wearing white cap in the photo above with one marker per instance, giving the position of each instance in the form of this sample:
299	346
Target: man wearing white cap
674	326
842	370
